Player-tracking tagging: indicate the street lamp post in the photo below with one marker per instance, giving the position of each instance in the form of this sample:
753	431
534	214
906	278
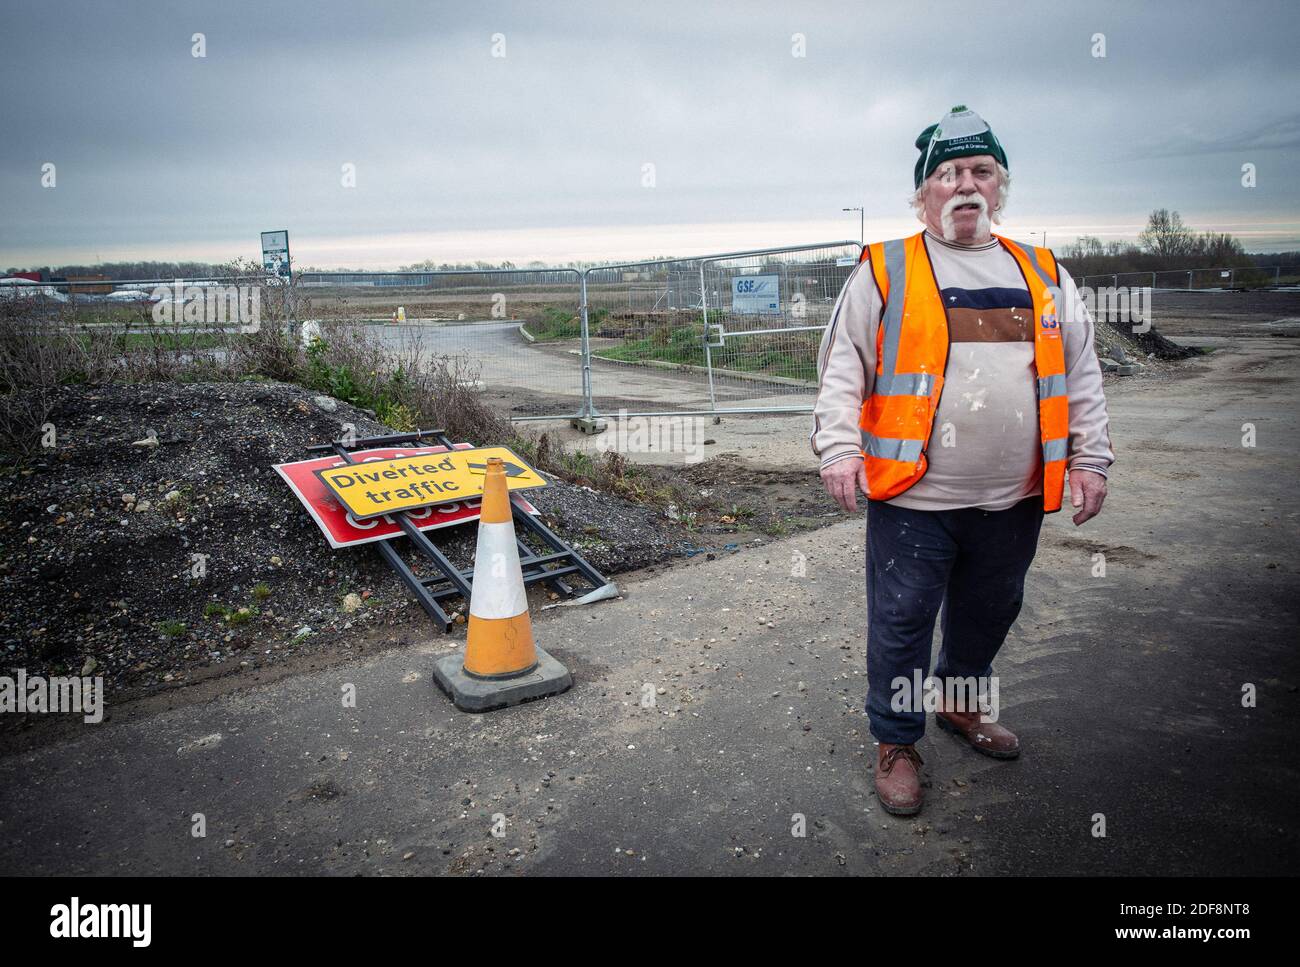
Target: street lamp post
862	223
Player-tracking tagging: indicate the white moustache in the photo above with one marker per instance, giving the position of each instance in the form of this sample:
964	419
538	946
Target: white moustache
983	224
952	203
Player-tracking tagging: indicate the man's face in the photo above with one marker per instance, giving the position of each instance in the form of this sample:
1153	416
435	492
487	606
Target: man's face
960	197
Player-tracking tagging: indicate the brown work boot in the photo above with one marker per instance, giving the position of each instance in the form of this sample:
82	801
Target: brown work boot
989	738
898	779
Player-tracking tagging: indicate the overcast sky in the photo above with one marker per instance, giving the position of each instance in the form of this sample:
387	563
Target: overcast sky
541	154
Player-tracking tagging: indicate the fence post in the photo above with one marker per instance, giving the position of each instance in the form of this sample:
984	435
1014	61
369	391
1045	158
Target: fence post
708	349
1277	275
587	420
1189	280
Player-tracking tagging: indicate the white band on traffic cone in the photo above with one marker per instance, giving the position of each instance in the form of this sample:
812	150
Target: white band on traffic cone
498	588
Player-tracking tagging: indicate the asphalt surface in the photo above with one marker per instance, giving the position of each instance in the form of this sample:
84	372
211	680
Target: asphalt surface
502	355
552	370
1126	691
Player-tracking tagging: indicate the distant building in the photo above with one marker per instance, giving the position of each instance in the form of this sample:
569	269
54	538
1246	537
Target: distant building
80	286
20	287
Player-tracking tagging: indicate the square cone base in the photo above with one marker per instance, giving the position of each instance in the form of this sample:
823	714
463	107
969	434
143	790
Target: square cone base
472	694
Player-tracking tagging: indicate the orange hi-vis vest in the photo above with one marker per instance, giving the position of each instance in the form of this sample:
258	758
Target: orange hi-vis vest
912	360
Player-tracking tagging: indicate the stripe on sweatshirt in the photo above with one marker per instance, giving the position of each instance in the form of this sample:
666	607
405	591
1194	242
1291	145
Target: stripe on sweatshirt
955	297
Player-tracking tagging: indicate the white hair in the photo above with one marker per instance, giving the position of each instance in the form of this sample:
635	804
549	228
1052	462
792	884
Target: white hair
917	199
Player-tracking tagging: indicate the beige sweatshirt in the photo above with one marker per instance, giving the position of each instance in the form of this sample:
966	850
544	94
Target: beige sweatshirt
984	449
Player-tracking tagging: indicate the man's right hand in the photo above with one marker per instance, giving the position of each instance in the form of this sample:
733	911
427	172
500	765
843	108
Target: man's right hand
843	479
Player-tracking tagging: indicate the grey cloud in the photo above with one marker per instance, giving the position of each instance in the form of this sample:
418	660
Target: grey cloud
154	146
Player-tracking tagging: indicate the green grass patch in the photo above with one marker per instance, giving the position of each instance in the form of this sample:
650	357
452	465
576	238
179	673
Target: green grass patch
242	616
557	323
383	392
792	356
169	340
672	349
237	616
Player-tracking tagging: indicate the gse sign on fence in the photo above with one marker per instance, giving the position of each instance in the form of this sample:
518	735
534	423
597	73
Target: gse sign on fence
756	293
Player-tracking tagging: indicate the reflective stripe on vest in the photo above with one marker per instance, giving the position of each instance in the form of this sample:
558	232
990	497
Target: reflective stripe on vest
912	353
888	449
1055	450
1051	386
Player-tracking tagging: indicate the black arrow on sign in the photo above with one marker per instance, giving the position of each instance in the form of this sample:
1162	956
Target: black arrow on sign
512	469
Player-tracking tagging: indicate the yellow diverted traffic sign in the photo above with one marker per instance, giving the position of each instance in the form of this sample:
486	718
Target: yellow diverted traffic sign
376	487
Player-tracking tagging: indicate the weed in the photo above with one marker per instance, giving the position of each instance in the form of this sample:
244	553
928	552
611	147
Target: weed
242	616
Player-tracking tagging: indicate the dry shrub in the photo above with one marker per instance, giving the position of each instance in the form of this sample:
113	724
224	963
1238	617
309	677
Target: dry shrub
46	344
37	355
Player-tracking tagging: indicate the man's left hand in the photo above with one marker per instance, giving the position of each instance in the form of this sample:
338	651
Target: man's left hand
1087	493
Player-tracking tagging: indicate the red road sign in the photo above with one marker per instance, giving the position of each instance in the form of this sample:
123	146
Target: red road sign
342	530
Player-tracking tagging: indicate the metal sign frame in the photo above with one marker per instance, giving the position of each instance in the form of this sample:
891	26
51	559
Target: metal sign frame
555	562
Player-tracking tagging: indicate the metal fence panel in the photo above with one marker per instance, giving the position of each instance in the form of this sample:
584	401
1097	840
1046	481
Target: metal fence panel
646	337
726	333
519	330
1235	277
688	335
764	316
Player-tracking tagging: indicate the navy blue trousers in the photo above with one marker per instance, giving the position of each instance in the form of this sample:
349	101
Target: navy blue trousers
969	562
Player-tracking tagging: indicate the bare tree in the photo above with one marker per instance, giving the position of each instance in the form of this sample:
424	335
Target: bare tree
1166	235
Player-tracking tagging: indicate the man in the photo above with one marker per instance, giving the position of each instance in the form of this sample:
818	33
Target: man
958	385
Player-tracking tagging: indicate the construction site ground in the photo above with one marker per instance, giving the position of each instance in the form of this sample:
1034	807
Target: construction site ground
717	709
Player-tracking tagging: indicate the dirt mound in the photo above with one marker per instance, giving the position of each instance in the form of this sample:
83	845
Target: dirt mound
1113	342
1137	344
144	563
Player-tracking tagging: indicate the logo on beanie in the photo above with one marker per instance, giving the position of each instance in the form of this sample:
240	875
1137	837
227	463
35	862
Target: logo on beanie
958	133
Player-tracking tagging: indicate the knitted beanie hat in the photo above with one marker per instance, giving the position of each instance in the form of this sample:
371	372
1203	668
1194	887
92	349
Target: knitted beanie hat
961	132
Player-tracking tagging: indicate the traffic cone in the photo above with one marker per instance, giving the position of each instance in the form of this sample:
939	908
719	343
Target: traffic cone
502	664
